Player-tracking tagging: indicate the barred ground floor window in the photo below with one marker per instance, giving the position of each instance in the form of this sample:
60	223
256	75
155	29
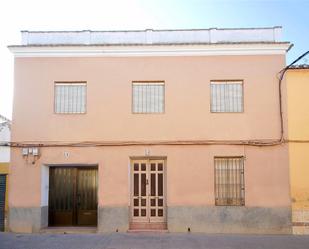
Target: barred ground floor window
229	181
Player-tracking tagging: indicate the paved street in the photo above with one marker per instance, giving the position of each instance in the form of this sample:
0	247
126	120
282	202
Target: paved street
152	241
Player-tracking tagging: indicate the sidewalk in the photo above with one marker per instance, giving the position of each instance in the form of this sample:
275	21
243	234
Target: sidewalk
151	241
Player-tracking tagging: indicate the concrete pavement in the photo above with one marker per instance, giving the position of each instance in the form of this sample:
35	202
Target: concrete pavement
151	241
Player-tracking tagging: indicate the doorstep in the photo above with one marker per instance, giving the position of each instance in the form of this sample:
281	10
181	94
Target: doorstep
148	226
147	231
69	230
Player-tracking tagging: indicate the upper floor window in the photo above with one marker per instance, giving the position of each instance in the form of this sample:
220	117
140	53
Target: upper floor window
70	97
226	96
229	181
148	97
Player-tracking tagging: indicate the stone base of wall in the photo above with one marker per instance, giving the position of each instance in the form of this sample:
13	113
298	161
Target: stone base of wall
301	230
206	219
6	222
27	220
301	215
113	219
253	220
300	221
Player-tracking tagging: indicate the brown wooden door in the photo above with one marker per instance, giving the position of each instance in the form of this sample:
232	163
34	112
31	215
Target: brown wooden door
73	197
87	200
140	210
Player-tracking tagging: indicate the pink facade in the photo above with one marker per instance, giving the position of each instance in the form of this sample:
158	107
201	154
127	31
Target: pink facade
117	137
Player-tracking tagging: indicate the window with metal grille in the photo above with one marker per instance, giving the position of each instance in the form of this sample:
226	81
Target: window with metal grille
148	97
229	181
226	96
70	97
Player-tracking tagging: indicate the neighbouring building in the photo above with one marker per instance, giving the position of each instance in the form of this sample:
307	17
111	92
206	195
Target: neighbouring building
175	130
297	78
5	133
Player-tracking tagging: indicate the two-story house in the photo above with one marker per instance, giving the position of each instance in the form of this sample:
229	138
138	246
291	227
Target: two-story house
174	130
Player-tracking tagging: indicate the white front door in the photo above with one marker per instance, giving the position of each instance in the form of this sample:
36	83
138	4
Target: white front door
147	191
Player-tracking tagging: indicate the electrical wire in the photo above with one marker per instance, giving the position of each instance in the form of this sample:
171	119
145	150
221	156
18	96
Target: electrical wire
282	73
257	142
148	143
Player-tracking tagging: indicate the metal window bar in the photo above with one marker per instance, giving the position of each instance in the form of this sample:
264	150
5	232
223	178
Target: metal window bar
229	181
226	96
70	98
148	97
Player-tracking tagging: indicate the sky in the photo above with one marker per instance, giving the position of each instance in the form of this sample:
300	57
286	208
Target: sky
34	15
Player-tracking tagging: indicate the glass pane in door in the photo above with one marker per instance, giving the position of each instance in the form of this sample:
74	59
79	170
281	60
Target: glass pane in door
139	210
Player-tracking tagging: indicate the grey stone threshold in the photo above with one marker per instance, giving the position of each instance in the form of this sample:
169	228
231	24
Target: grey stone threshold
69	230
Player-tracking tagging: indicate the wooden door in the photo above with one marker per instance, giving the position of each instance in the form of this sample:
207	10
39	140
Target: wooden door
61	204
87	197
147	192
72	196
156	191
140	212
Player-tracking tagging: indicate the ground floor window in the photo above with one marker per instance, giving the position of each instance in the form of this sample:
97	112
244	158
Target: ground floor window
229	181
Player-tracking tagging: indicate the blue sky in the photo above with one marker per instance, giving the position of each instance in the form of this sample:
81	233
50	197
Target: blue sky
293	16
17	15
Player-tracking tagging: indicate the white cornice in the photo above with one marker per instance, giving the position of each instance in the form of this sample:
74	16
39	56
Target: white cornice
154	50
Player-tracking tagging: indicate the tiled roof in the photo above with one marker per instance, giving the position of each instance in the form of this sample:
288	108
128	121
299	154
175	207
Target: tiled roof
4	119
300	66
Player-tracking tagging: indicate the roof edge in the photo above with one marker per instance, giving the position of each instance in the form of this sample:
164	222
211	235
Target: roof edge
144	30
5	119
150	45
153	36
299	67
150	50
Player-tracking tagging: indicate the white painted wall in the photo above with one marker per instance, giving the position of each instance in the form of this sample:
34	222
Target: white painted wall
5	136
149	36
44	185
